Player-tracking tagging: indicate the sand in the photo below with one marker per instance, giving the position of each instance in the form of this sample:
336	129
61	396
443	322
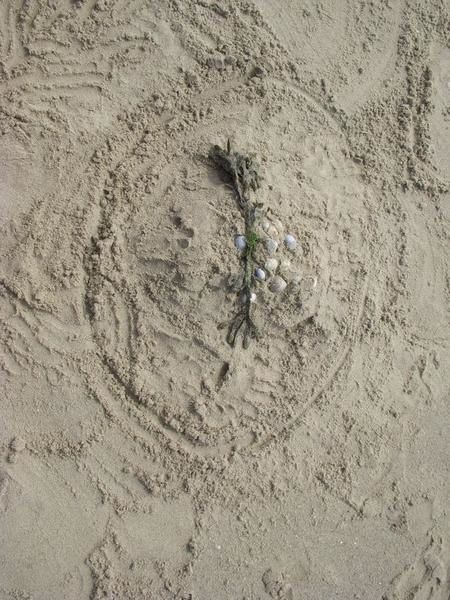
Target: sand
142	457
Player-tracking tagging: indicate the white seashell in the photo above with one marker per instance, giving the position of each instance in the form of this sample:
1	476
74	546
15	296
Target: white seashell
265	226
290	241
271	265
313	282
244	297
272	246
308	283
278	225
272	231
277	285
260	274
240	242
285	265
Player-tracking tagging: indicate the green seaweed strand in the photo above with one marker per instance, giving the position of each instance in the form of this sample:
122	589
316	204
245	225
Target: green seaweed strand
245	177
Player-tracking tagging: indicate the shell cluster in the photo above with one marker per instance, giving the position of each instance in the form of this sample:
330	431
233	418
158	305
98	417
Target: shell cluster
280	245
273	259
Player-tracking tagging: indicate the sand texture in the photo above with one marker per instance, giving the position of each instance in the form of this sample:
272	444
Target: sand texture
141	456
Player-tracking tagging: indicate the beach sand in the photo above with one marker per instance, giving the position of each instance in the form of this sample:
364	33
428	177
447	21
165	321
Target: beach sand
141	456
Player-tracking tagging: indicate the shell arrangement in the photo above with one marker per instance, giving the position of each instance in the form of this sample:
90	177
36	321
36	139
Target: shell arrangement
266	248
273	256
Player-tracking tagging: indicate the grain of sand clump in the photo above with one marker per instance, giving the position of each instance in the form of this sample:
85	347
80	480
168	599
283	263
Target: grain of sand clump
142	457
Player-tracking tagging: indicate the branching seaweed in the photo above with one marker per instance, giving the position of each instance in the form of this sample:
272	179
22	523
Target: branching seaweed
243	171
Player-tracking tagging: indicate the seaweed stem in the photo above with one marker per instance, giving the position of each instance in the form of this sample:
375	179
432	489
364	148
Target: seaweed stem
243	172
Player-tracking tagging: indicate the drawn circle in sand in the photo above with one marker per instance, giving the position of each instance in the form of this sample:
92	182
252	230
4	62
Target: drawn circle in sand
165	251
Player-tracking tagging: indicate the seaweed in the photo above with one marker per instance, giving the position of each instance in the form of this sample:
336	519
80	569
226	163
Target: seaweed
245	178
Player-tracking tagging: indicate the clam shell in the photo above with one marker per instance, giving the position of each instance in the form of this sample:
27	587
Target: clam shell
277	284
311	282
240	242
272	246
278	225
271	265
260	274
290	241
285	265
243	297
272	231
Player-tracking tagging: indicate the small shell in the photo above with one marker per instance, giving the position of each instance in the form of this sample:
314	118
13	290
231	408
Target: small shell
271	265
240	242
312	282
243	297
260	274
278	225
272	231
272	246
285	265
277	285
296	278
290	241
265	225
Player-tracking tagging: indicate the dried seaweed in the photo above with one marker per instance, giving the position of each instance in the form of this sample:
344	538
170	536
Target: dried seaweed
245	178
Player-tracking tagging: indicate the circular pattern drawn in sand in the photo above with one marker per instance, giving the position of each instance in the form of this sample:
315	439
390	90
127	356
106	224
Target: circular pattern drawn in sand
351	46
164	252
